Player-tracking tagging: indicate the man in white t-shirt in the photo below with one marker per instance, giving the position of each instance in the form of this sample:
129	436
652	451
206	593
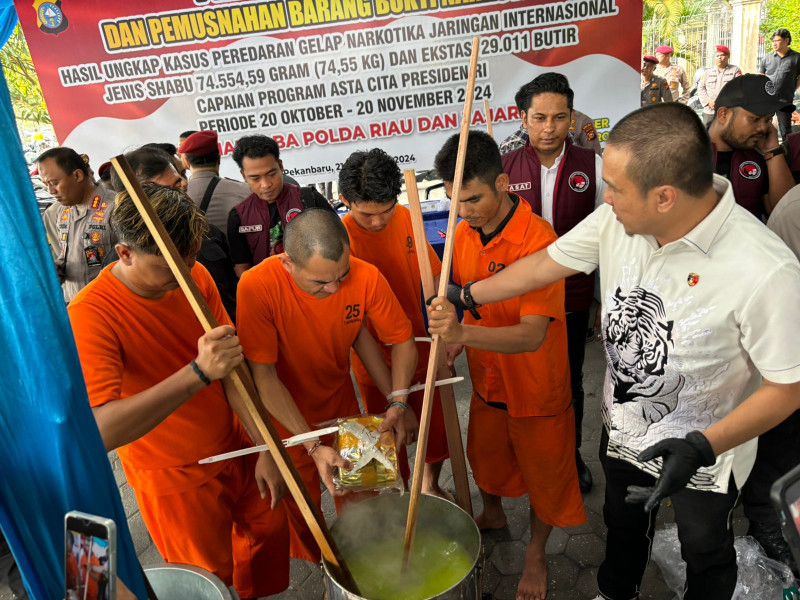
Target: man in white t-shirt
699	323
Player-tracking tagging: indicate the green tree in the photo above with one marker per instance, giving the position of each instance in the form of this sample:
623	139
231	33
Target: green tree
781	13
23	84
663	14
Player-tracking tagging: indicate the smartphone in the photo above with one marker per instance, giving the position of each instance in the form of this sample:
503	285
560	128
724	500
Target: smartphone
786	497
90	557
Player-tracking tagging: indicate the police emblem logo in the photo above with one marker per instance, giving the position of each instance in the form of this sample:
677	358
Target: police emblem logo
769	87
749	170
693	279
292	213
578	181
95	237
50	17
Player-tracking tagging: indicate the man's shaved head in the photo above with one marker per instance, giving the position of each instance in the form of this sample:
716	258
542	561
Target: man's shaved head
315	230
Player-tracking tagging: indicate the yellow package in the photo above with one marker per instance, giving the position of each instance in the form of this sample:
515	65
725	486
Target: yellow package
372	454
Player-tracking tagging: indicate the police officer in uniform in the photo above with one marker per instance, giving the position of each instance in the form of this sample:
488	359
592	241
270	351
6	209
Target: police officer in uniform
674	74
77	223
714	79
655	89
215	195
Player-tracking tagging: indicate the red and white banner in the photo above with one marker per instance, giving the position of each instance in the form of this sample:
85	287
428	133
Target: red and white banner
322	77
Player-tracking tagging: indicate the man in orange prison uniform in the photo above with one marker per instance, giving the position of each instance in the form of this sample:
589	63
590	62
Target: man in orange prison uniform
521	437
299	313
159	391
90	570
380	233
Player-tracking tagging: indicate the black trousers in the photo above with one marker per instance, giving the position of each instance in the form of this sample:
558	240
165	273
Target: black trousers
704	530
577	323
784	124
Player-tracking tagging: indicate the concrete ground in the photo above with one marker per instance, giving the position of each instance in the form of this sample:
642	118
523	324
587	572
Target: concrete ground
573	553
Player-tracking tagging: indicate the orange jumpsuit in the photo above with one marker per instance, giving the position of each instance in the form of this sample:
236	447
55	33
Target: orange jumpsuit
93	576
308	339
207	515
394	252
72	570
528	447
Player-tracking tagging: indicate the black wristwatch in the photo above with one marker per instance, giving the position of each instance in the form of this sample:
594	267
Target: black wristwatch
469	302
773	152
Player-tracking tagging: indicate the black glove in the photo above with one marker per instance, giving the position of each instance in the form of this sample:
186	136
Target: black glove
681	459
453	297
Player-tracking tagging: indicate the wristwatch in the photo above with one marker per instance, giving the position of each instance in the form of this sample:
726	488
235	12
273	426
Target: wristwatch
773	152
470	303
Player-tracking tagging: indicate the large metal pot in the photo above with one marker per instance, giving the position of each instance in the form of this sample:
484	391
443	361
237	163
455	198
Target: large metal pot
386	516
175	581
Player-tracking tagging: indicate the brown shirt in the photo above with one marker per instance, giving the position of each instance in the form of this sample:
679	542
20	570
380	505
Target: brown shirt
227	194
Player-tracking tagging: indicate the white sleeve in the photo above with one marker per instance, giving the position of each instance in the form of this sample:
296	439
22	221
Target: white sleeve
600	186
785	219
769	325
578	249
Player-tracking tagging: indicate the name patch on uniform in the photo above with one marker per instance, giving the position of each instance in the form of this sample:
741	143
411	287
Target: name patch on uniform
515	187
250	228
749	170
578	181
97	227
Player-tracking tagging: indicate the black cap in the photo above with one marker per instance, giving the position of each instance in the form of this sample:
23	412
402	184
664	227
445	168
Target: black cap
754	93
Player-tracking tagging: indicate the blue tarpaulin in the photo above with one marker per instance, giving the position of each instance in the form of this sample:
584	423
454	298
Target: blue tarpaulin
52	459
8	20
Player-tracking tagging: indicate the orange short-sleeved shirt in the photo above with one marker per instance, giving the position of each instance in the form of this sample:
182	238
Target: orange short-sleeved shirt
128	344
308	338
393	251
530	383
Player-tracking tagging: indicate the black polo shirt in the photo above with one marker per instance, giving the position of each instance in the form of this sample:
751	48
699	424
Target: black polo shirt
783	71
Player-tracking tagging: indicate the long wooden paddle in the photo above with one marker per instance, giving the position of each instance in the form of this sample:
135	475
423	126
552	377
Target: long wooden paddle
452	427
241	377
447	261
488	117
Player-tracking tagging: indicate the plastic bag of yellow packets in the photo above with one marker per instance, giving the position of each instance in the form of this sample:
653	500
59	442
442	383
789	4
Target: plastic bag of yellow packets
372	454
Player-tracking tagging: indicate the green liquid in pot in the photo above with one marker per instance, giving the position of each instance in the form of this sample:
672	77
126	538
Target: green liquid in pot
437	564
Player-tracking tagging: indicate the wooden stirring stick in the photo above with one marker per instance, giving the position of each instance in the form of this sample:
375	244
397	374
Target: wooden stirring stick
488	117
444	280
455	444
241	377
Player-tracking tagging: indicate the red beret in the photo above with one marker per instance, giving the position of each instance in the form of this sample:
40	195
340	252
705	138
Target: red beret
202	142
665	50
724	49
106	166
650	58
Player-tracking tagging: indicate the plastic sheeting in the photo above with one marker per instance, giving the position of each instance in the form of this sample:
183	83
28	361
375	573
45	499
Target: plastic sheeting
8	20
52	459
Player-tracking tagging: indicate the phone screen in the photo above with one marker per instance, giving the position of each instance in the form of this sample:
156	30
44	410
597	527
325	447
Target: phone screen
793	500
87	563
